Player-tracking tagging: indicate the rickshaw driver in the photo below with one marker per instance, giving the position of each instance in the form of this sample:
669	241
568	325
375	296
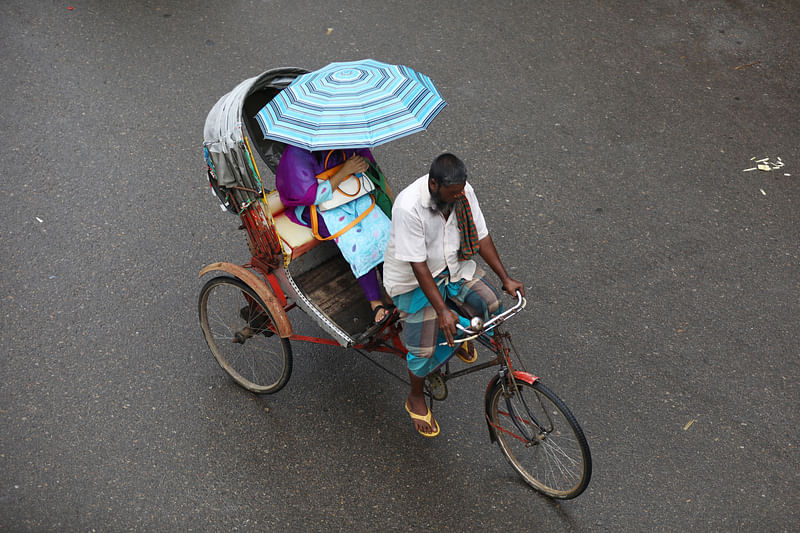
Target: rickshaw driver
437	226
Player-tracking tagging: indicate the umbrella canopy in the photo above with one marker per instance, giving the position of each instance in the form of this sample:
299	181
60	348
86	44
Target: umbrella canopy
356	104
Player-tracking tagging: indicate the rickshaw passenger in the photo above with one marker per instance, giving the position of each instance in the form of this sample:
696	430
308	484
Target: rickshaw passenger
437	226
363	245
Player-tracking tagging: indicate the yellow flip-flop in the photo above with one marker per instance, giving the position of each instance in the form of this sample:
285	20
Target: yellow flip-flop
464	353
427	418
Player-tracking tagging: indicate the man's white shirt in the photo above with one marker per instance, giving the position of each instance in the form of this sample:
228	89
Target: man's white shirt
420	233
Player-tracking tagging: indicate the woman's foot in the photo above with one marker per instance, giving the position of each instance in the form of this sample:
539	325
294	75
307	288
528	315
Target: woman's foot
380	311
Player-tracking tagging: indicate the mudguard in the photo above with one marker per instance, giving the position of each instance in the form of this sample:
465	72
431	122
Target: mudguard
495	383
260	287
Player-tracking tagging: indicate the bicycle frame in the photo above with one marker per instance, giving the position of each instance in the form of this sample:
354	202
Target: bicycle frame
490	335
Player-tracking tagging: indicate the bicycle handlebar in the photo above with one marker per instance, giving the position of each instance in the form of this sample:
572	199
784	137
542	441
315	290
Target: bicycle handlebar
478	327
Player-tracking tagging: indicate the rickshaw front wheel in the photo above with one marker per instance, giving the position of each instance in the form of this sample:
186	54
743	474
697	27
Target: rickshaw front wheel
240	331
540	437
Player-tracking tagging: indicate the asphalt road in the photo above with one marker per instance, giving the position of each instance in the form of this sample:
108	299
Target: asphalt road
607	143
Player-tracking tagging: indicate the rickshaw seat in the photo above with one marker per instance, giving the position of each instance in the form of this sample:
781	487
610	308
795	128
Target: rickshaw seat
296	239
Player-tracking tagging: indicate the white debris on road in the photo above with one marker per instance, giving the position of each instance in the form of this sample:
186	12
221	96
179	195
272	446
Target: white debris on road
765	164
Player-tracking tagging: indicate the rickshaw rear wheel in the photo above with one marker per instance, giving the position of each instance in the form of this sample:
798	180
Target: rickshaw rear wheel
240	331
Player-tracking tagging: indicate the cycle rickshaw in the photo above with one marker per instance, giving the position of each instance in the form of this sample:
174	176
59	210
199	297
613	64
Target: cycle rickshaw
244	309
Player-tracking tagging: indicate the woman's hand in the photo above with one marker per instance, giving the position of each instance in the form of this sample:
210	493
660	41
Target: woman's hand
354	165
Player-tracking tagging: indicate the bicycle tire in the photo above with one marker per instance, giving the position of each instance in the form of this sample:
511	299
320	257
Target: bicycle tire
554	457
239	330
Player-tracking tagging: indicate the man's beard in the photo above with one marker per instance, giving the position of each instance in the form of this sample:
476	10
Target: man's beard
440	205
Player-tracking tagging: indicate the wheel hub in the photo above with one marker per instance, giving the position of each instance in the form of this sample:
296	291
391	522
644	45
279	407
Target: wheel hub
242	335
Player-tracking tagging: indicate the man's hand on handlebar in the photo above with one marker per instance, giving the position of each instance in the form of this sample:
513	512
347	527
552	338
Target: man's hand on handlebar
447	321
511	286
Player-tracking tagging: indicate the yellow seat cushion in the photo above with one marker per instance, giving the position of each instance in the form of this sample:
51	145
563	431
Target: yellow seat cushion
296	239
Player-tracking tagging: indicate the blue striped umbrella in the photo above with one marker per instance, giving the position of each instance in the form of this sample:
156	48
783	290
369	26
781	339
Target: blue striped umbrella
356	104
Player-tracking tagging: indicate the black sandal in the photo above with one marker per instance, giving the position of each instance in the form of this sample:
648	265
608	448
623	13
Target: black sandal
389	310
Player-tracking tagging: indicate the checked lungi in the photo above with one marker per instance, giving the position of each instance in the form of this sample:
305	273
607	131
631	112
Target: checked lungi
421	333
